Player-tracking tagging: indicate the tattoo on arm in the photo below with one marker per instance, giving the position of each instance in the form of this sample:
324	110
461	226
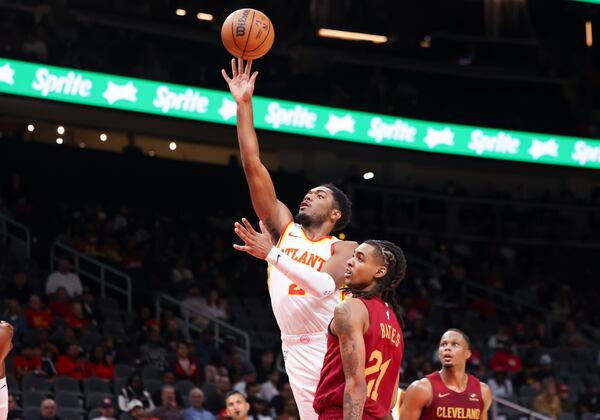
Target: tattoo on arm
353	409
353	405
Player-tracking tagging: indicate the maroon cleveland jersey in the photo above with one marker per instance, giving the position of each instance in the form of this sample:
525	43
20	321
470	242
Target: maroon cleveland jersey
384	347
448	404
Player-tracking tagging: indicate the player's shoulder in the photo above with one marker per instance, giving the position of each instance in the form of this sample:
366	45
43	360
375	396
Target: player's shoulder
346	247
351	304
486	391
422	384
350	308
420	391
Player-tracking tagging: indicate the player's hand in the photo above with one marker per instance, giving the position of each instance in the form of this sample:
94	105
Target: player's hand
257	244
241	83
6	335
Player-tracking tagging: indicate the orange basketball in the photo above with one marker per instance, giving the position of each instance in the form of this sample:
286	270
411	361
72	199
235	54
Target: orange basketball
247	34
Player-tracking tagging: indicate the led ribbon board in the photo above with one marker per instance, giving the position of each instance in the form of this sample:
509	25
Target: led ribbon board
588	1
170	100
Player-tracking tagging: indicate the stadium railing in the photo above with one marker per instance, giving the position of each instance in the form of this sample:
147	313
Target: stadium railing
502	408
15	236
88	268
189	313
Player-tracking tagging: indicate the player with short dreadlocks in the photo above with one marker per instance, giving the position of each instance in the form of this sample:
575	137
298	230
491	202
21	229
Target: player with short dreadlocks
360	374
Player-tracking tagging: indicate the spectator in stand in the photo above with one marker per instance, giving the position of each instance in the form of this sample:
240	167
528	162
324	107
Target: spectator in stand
48	410
76	319
90	307
61	306
505	358
153	352
215	306
14	412
268	389
237	368
228	353
167	379
68	337
36	315
265	366
134	391
500	384
196	410
566	403
548	401
206	349
572	337
259	409
14	315
541	334
280	402
181	275
253	390
546	368
74	364
102	364
64	278
215	393
185	365
248	378
197	303
168	409
173	333
136	410
590	401
107	410
29	361
18	289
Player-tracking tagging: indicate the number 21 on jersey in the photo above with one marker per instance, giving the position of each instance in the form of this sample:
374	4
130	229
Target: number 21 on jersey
378	367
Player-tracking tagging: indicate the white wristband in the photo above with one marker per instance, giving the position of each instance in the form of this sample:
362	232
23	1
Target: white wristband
314	282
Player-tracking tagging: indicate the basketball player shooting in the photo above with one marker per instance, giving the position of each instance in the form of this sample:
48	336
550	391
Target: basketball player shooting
6	335
302	311
449	393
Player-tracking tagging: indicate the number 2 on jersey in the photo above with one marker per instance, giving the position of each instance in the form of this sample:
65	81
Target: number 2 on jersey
295	290
377	367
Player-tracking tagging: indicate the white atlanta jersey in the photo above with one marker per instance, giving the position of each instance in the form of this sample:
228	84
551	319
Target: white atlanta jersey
296	311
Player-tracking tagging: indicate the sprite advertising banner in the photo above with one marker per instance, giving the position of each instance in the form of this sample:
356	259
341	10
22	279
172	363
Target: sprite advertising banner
170	100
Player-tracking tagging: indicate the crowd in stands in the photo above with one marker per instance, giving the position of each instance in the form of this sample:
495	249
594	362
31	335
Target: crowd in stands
540	350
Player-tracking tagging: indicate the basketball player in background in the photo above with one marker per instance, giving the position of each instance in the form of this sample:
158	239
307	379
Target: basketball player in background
302	310
449	393
365	344
6	335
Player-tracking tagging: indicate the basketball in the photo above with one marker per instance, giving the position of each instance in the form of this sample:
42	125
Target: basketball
247	34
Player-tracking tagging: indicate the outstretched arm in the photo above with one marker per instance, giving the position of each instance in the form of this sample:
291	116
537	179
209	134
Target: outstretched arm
348	324
316	283
262	191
